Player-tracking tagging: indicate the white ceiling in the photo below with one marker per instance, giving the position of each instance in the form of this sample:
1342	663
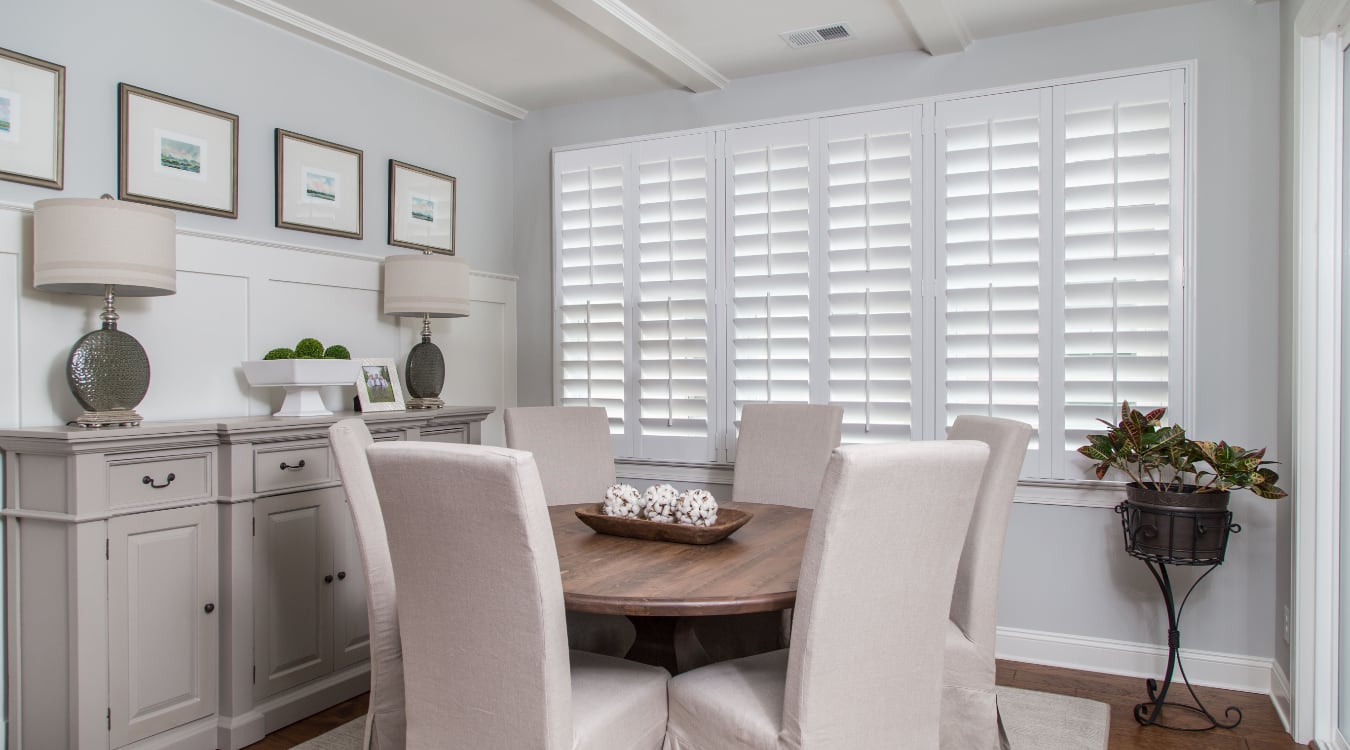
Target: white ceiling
511	56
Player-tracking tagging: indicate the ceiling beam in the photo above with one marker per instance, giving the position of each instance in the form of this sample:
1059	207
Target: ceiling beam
330	36
637	35
939	29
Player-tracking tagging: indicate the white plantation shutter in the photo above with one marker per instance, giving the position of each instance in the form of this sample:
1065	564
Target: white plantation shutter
1122	236
674	290
589	236
993	227
872	277
769	233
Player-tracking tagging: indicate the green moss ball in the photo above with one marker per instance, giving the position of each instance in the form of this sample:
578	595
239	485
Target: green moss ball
280	353
309	349
337	351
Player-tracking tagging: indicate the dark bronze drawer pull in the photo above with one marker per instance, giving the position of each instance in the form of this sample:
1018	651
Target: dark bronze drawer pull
167	481
285	466
328	579
342	575
210	608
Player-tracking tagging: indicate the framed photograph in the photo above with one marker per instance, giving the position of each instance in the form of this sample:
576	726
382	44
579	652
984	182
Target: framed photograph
421	208
32	120
378	387
176	154
318	186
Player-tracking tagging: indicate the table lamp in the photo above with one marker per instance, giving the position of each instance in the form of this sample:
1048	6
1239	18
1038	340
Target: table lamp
104	247
430	286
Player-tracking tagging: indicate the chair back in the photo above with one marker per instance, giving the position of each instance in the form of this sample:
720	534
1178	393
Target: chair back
782	451
865	665
975	598
571	447
479	597
385	724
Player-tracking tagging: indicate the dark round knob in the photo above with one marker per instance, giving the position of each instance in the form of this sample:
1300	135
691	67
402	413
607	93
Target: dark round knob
210	608
342	575
327	579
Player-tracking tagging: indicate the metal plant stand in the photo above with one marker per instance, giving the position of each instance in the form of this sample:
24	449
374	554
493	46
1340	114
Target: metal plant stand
1176	536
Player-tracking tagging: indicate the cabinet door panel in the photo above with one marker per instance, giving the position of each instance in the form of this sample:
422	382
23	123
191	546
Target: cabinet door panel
293	605
351	624
162	642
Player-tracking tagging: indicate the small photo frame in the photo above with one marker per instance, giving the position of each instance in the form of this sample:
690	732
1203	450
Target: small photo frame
378	386
421	208
319	186
176	154
32	120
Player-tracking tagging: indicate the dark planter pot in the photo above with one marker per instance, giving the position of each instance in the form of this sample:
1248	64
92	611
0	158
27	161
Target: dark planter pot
1184	526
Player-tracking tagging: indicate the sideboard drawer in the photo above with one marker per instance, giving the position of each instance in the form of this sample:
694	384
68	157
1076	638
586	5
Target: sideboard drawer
158	479
285	467
456	434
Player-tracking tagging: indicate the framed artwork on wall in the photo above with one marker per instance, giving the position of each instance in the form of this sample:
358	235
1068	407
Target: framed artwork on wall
319	186
421	208
378	387
176	154
32	120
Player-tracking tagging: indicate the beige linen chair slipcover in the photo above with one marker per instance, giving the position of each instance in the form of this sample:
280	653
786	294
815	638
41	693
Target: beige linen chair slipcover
865	666
572	448
481	612
781	454
969	703
782	451
384	719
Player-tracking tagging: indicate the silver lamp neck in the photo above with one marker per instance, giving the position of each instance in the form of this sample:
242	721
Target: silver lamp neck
109	315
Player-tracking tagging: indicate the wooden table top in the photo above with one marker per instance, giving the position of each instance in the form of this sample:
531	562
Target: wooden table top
753	570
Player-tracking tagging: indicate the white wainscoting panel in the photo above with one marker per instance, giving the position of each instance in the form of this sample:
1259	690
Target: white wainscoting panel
237	298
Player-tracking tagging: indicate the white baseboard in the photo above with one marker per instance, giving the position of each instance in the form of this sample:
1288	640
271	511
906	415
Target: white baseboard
1247	673
1280	695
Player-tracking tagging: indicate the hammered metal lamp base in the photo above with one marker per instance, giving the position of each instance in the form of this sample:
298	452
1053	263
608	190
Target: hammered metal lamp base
425	374
108	373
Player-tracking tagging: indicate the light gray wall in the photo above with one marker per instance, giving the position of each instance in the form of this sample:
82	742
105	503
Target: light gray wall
211	55
1065	570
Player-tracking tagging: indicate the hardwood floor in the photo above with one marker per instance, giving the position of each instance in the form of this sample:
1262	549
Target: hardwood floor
1260	728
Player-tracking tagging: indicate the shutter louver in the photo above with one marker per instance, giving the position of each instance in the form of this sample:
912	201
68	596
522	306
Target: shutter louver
589	191
1121	223
674	290
992	205
769	248
871	270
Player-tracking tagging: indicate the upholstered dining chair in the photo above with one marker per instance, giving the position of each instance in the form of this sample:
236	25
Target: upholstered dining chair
385	726
571	447
865	666
781	454
782	451
481	612
970	719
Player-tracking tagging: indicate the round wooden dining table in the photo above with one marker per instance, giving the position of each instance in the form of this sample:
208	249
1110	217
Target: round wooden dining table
663	586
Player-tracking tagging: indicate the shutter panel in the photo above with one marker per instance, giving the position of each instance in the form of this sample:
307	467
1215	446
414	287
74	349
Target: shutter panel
768	255
871	267
1122	238
993	170
589	234
674	287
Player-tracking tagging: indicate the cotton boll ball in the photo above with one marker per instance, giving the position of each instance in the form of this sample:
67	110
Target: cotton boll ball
696	508
622	500
660	503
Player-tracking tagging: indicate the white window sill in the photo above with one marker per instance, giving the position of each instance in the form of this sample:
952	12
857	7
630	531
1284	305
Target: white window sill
1078	494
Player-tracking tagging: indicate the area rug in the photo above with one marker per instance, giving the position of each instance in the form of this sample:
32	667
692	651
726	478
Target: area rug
1033	720
1045	721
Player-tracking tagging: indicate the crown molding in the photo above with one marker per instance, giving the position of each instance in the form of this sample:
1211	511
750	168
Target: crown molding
636	34
290	20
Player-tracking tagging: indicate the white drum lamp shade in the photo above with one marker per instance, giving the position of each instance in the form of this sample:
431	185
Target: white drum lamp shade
81	245
104	247
435	286
428	286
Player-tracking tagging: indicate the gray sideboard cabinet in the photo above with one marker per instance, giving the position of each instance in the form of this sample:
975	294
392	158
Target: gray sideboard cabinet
185	584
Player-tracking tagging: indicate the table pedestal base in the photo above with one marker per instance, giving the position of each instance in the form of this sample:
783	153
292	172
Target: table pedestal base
667	642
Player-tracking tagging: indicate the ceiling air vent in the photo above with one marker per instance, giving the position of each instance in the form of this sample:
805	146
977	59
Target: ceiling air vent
818	35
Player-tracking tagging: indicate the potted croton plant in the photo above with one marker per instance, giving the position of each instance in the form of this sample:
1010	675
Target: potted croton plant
1169	472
